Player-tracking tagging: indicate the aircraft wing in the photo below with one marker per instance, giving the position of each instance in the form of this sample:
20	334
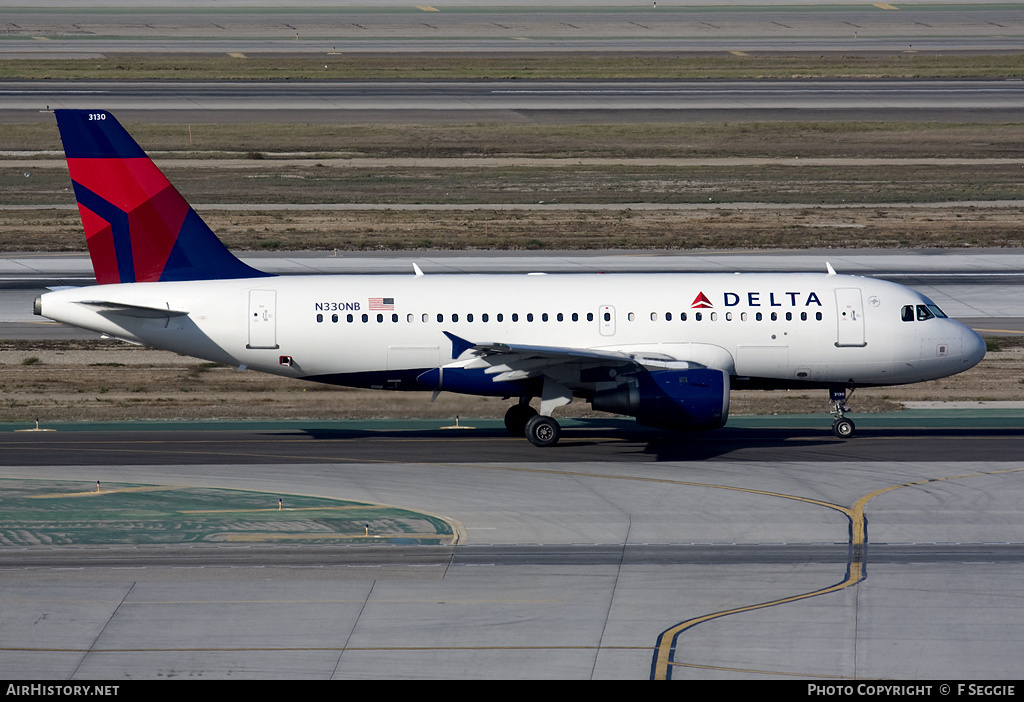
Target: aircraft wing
520	361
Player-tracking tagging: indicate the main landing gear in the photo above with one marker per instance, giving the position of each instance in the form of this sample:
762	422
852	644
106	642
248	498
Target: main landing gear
539	430
842	427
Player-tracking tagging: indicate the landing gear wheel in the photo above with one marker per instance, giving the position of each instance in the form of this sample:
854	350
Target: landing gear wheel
517	417
543	431
843	428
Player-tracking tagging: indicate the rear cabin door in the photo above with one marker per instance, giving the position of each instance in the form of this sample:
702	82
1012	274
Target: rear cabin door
606	320
262	319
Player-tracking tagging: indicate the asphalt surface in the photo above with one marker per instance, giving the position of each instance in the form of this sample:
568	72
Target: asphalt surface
905	436
521	100
56	28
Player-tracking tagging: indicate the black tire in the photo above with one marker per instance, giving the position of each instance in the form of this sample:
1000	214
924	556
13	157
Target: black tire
844	428
517	417
543	431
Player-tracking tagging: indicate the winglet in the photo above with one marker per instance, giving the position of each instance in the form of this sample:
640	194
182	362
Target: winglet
138	227
459	345
417	271
829	268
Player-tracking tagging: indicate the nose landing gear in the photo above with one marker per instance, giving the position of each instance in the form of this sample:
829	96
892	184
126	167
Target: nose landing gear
842	427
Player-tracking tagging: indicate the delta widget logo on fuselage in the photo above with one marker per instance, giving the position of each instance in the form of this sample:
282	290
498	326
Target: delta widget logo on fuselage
758	299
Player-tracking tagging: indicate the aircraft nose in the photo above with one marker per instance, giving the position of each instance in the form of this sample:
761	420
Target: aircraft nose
973	348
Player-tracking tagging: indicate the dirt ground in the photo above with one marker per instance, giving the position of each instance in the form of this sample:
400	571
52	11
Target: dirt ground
108	380
423	230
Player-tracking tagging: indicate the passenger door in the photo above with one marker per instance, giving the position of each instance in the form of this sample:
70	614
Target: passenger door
850	316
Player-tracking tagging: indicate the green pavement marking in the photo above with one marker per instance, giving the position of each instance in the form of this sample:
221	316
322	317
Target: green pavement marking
64	513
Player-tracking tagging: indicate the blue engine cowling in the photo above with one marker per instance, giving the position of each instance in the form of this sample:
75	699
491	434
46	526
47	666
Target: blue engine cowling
695	398
476	382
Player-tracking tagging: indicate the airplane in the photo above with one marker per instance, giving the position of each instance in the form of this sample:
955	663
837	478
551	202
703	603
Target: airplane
665	349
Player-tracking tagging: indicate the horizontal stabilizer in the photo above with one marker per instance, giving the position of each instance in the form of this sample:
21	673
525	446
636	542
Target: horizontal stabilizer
139	311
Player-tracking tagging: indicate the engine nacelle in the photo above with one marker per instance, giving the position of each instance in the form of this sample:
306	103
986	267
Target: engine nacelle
474	381
695	398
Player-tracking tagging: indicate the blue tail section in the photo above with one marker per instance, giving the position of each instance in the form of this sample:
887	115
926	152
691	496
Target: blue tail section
137	225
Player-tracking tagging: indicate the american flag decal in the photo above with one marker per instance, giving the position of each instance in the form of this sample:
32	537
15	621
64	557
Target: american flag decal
382	303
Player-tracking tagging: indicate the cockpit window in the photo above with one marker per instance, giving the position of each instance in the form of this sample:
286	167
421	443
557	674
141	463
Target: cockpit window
910	313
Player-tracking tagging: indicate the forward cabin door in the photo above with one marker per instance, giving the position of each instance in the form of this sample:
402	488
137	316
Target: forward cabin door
850	316
262	319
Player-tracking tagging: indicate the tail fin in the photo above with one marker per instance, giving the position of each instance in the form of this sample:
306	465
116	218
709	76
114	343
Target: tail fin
138	227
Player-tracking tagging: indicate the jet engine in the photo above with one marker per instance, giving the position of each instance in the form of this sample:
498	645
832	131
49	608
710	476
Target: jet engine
695	398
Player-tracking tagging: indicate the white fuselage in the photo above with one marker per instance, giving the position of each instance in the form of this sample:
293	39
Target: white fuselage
786	328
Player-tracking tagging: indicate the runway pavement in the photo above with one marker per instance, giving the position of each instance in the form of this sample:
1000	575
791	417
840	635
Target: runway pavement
458	101
63	28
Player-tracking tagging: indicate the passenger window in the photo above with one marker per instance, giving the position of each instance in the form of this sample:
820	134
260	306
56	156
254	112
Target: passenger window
590	317
319	318
529	316
348	318
697	316
668	316
484	317
501	317
575	317
469	317
334	318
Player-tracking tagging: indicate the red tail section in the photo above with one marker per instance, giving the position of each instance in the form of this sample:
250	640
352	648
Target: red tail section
137	226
